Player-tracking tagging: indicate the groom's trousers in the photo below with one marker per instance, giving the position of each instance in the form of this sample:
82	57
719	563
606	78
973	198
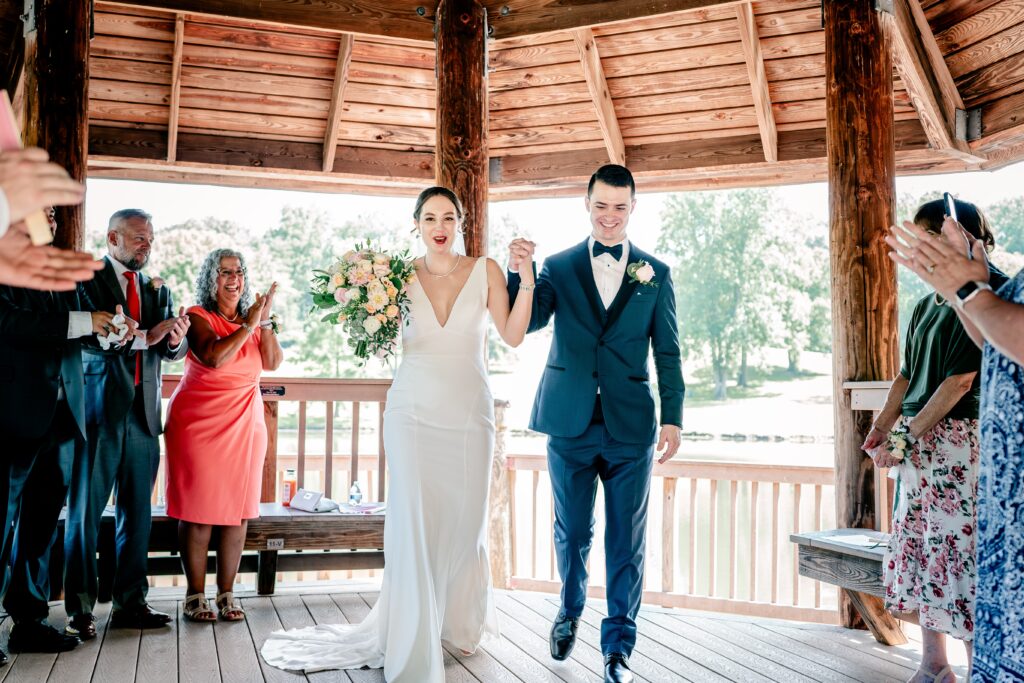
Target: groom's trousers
576	464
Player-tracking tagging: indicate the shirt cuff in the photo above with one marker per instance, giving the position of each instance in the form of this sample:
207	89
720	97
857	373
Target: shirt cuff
140	343
79	324
5	213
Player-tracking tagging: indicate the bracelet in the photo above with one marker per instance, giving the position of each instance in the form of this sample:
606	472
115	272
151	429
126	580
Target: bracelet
247	327
266	323
527	288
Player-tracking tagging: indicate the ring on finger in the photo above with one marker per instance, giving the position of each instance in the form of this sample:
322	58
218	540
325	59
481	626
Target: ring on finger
930	268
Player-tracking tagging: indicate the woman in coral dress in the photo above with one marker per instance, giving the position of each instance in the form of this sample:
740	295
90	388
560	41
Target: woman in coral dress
215	436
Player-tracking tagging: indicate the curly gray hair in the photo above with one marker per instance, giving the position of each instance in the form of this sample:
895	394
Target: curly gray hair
206	282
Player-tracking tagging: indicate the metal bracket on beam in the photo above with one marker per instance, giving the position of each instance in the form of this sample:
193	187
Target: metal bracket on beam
28	19
494	170
974	124
885	6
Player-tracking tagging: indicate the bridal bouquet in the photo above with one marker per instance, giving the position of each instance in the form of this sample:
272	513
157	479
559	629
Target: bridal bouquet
365	292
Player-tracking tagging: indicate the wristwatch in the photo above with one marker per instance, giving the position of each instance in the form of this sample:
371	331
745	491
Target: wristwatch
971	290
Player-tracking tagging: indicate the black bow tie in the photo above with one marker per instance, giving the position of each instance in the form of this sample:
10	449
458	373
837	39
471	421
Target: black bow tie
615	251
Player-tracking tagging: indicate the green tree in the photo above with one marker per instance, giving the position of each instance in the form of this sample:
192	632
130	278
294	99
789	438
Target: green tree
1007	219
718	244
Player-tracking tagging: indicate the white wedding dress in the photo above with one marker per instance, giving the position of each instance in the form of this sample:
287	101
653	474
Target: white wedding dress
439	440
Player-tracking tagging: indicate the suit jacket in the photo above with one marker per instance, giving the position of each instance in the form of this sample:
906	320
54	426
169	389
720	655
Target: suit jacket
36	358
110	376
593	347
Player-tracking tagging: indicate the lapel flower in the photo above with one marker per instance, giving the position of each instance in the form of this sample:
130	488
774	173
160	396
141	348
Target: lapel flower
156	283
642	273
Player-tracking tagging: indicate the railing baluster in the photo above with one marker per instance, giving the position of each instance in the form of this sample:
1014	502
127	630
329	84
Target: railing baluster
512	521
796	529
301	457
753	541
713	509
733	485
533	525
668	534
693	536
354	463
329	449
817	527
381	456
775	542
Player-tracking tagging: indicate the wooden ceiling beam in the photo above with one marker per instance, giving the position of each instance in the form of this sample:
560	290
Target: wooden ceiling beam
758	80
927	79
337	100
593	73
175	106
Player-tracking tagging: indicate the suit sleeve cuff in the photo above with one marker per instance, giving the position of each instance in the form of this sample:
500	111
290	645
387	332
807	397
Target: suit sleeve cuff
79	324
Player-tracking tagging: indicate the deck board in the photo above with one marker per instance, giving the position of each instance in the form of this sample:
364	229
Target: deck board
672	645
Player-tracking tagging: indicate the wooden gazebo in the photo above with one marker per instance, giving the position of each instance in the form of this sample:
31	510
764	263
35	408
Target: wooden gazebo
505	99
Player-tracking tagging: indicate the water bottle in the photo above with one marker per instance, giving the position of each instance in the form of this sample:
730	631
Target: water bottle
355	494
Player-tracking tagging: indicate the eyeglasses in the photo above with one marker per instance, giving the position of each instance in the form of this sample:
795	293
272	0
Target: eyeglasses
226	272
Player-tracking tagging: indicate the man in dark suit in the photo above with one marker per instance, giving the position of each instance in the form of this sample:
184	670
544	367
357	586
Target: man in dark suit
612	304
122	402
42	420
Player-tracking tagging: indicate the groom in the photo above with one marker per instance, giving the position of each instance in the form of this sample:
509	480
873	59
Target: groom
611	303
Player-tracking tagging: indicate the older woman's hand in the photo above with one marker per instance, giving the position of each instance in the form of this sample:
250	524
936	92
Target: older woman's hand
939	261
883	457
268	302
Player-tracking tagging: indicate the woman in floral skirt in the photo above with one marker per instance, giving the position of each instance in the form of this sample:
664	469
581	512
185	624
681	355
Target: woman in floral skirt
928	432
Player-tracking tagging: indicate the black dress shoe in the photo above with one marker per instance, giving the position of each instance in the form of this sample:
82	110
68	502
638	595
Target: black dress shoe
563	636
35	636
616	669
143	617
3	657
82	626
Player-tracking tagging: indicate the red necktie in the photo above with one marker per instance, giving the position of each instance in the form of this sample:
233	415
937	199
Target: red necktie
135	313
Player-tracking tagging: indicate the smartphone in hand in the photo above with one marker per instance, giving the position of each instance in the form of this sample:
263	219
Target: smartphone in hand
950	204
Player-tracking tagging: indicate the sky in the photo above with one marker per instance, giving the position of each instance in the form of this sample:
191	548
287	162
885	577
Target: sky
259	209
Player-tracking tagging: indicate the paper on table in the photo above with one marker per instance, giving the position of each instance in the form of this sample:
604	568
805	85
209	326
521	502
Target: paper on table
361	509
861	540
10	138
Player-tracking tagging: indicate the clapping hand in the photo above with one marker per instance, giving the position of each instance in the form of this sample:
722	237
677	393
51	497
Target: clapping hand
268	302
31	182
173	328
939	260
23	264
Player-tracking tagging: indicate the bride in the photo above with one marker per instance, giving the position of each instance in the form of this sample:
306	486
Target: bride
439	437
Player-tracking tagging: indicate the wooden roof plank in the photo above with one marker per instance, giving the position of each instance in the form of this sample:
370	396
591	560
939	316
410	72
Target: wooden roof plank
980	26
1004	44
994	81
129	26
344	59
758	80
175	105
593	74
943	15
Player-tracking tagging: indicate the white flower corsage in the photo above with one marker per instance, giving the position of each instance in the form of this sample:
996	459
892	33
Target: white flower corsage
901	441
642	273
273	322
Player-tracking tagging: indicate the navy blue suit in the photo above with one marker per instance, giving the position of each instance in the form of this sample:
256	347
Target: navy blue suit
610	438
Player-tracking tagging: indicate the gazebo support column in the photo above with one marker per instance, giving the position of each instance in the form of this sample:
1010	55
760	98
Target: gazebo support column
57	98
861	175
461	164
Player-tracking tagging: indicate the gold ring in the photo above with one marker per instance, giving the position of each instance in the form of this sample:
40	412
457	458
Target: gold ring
930	269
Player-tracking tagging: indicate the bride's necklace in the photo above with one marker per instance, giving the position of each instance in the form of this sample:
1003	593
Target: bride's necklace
458	258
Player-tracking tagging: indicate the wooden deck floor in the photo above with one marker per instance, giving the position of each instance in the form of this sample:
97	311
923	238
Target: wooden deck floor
674	645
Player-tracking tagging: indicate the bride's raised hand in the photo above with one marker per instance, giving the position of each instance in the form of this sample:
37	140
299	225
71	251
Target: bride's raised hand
523	250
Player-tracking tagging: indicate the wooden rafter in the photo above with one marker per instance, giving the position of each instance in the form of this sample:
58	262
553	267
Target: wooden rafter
175	108
401	19
758	80
593	73
927	79
337	100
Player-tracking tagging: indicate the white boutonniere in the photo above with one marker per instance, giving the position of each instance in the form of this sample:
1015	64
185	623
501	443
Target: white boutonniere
642	273
155	283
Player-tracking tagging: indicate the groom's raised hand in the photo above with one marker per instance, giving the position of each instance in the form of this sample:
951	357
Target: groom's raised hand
669	442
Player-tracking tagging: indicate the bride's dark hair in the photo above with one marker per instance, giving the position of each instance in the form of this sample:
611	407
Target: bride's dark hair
434	192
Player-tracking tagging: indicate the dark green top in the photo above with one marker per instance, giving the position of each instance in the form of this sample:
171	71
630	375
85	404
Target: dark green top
938	347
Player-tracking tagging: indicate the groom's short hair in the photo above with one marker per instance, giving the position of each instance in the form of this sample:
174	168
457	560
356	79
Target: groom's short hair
614	175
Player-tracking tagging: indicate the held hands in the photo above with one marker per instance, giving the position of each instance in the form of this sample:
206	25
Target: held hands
668	441
520	259
940	261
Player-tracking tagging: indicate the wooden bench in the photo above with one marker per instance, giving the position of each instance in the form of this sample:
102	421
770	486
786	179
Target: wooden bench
279	540
856	566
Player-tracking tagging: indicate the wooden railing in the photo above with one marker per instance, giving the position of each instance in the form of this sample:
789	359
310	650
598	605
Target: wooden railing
699	511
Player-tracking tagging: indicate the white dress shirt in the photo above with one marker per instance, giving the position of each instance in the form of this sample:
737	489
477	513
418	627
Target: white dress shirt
608	272
140	343
5	213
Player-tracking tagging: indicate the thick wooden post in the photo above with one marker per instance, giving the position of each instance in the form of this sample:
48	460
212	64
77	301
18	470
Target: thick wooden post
861	176
461	157
57	98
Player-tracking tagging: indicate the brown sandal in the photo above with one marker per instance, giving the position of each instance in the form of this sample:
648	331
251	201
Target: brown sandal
197	608
229	609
